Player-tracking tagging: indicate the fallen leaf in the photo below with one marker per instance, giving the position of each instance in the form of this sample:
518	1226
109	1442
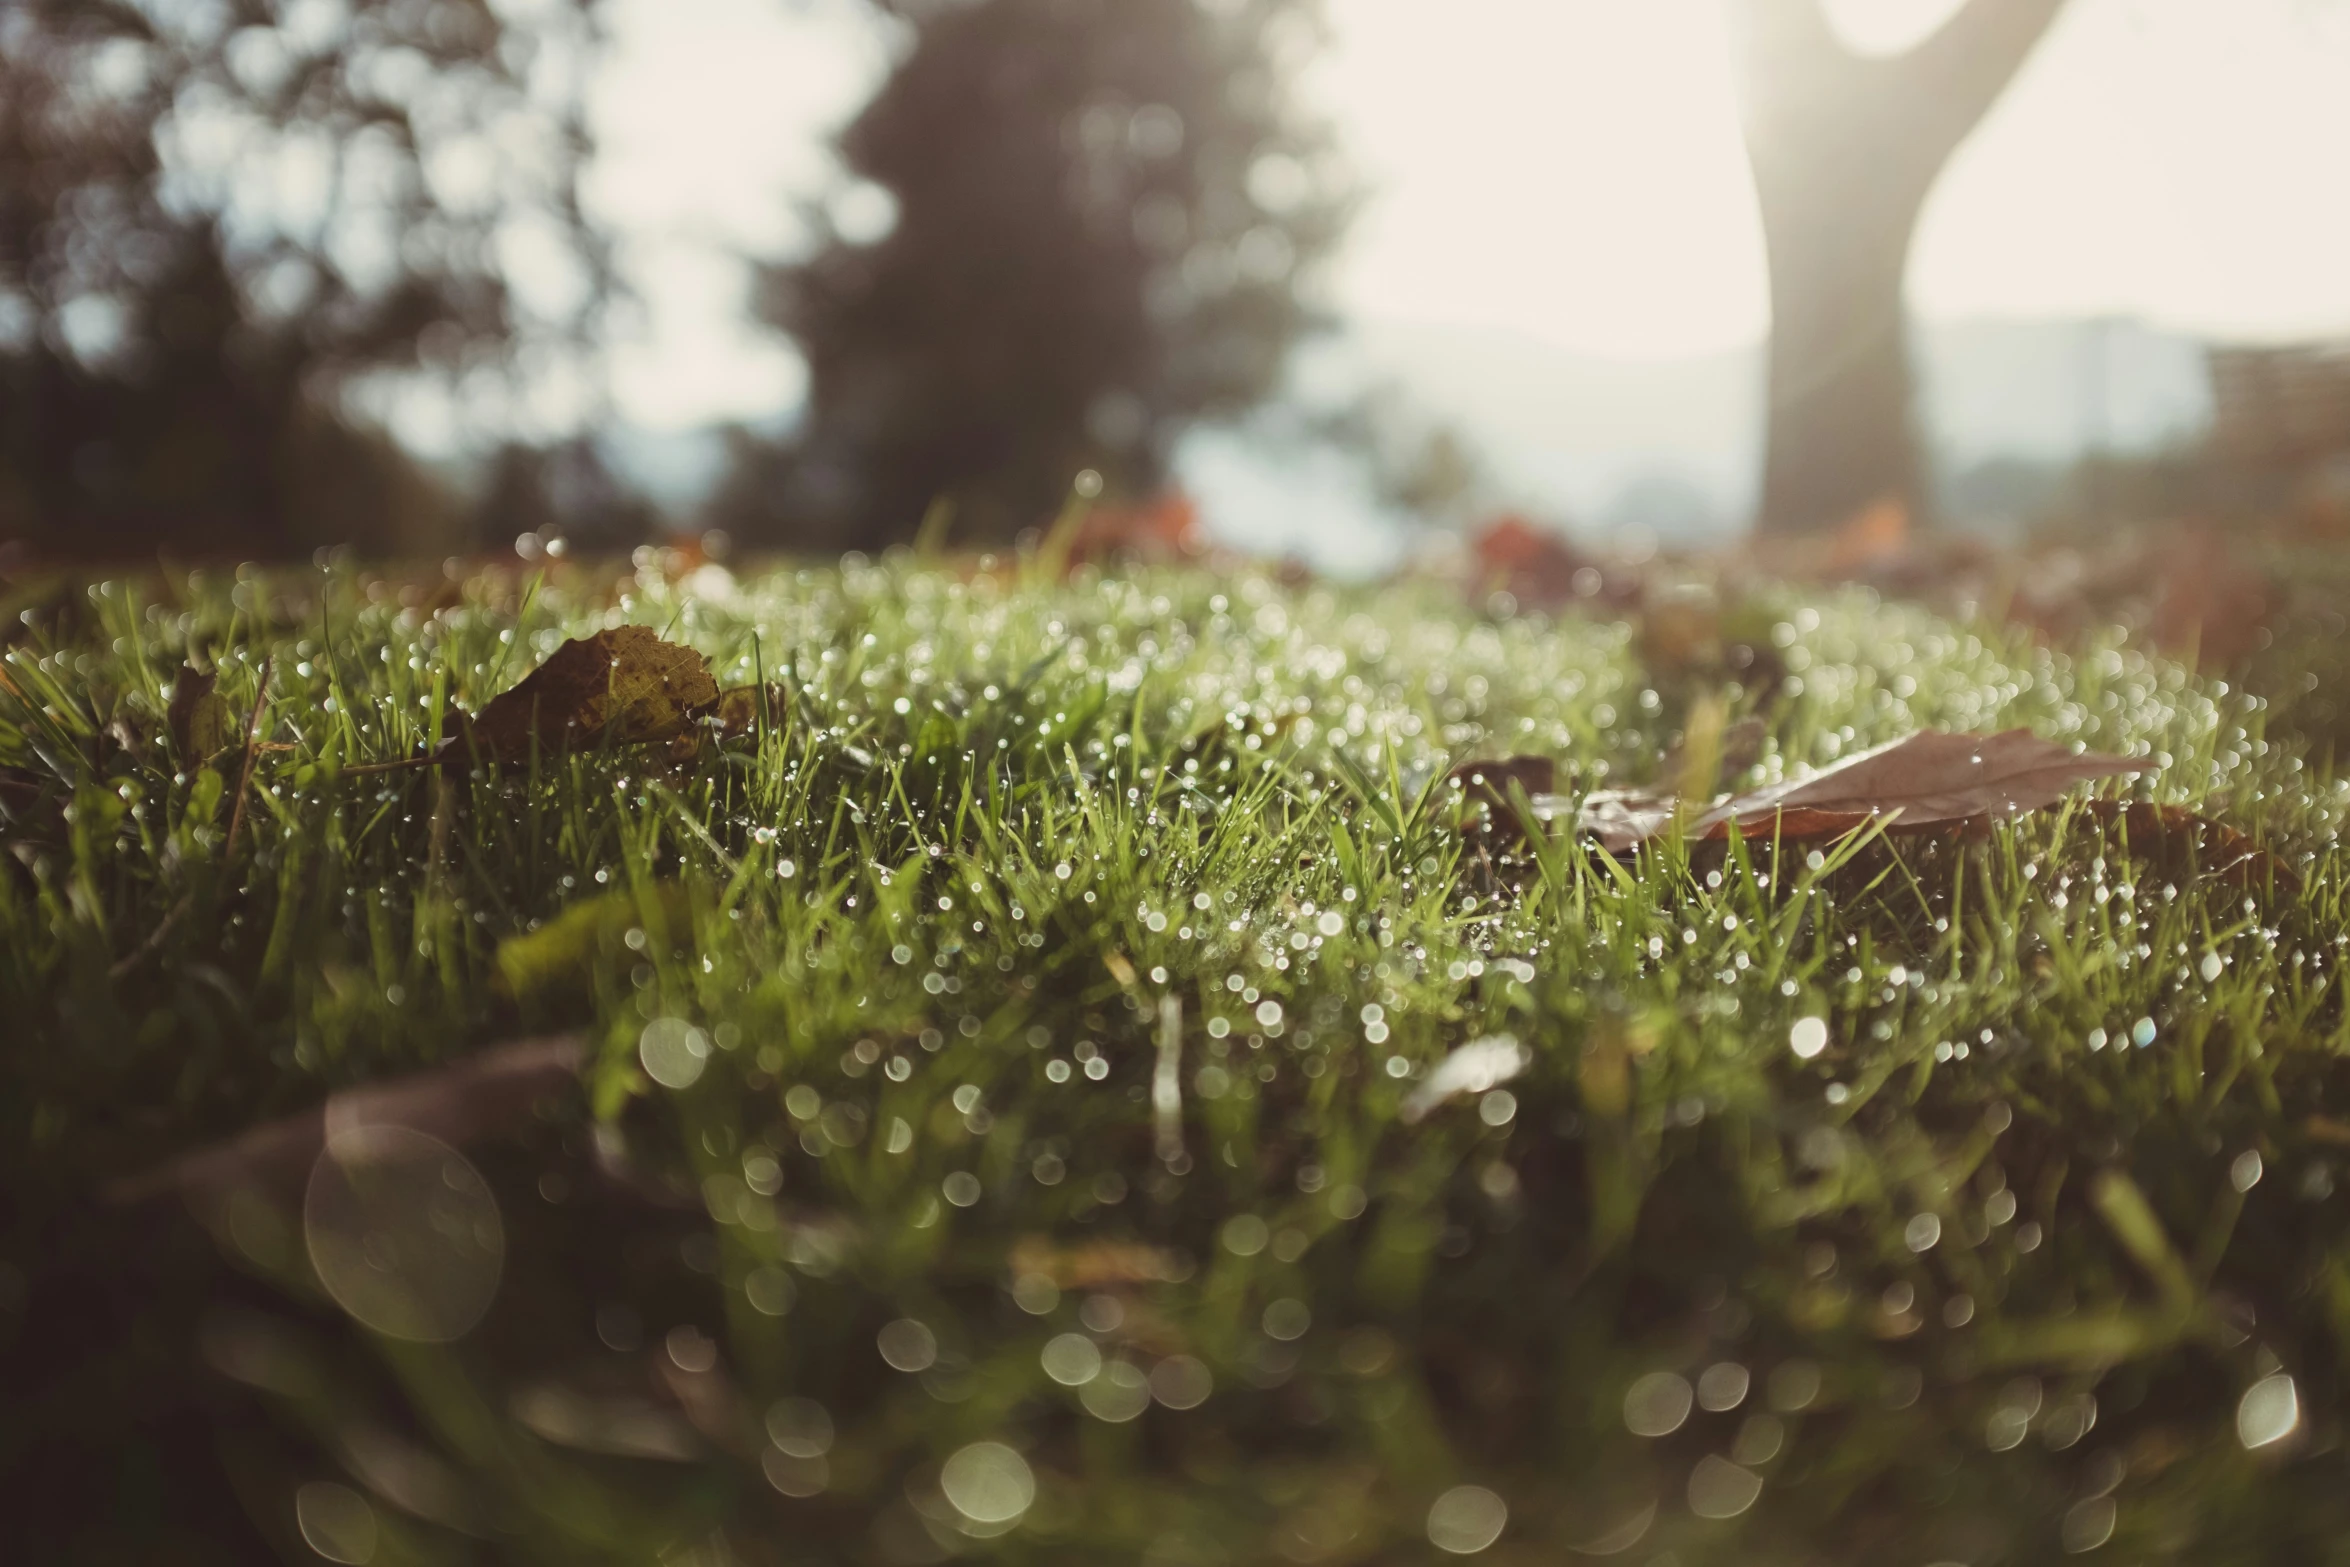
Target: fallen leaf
2182	844
738	711
1161	530
620	687
1535	565
1869	537
201	724
1927	779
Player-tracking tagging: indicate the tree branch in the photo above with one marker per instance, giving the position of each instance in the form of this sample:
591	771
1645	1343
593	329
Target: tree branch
1787	56
1810	103
1962	69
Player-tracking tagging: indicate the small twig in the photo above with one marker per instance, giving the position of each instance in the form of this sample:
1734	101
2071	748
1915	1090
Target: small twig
443	808
236	822
236	819
398	765
1167	1085
155	938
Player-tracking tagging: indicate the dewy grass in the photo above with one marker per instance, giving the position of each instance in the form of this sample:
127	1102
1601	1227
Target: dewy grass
992	1143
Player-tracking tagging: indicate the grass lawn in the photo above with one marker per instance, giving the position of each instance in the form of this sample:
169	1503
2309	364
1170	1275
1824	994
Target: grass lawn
1011	1123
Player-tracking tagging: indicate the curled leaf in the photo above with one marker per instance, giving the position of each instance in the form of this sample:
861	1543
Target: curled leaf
624	686
1923	780
2184	845
742	709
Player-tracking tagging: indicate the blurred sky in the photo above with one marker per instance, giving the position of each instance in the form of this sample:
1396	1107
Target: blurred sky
1569	170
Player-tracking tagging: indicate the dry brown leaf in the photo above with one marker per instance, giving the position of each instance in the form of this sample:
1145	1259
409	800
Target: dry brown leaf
1869	537
1927	779
738	710
201	724
1163	529
620	687
1536	565
2181	844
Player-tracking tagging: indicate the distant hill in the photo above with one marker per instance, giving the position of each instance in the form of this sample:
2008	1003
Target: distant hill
1674	445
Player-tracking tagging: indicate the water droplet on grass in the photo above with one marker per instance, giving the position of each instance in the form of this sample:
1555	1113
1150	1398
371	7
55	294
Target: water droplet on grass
403	1233
988	1483
1723	1386
1245	1235
337	1522
1720	1489
2269	1412
1118	1395
673	1051
1181	1382
1467	1519
1287	1319
907	1345
1071	1359
2088	1525
800	1427
1657	1404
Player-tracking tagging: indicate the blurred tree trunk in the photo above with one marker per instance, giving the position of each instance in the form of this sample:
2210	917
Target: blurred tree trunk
1845	149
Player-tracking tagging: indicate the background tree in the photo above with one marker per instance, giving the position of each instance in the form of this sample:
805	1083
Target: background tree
565	489
1106	213
1845	149
220	224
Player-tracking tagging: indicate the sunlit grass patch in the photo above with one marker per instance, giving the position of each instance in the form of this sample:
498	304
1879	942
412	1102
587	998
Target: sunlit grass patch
994	1136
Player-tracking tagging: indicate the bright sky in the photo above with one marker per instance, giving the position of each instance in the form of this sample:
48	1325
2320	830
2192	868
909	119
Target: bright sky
1570	169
